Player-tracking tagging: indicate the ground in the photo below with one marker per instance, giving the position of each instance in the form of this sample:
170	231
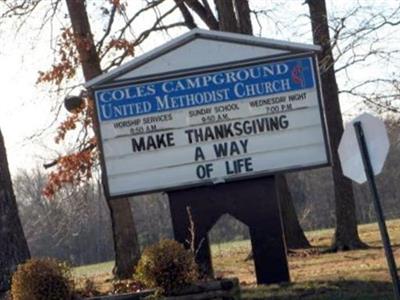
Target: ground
361	274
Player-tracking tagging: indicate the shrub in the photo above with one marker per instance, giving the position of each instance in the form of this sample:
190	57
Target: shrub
42	279
166	266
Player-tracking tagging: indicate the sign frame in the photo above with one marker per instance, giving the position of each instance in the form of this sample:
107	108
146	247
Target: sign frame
213	68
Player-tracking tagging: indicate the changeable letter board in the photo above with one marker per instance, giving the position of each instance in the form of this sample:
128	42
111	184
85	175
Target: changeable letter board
210	126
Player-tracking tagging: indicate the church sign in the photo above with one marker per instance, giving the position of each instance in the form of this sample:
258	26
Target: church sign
211	125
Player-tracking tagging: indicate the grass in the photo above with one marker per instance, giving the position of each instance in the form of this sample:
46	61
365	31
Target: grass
360	274
94	270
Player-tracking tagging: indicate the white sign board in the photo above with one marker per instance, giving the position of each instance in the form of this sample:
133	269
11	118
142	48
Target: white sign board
204	127
377	143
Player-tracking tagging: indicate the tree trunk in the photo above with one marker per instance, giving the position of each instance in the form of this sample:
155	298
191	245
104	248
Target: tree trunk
126	245
243	16
226	16
346	235
294	234
13	247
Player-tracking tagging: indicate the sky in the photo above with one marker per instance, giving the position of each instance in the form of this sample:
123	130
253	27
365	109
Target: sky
24	110
28	110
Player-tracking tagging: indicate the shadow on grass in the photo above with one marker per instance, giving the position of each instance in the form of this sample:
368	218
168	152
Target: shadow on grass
331	290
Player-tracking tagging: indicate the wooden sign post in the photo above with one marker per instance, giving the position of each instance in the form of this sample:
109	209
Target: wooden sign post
253	202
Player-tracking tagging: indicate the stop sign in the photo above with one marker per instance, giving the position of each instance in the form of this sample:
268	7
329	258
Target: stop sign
377	143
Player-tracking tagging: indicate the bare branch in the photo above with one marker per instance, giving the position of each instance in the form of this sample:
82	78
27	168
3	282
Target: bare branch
119	59
156	27
53	163
204	12
137	14
25	8
108	29
376	101
187	16
129	21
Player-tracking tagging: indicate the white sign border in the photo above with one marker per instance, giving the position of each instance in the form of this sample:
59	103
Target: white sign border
200	70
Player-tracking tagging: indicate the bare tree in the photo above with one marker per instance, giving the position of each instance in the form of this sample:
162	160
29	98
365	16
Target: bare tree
371	42
346	234
126	244
73	226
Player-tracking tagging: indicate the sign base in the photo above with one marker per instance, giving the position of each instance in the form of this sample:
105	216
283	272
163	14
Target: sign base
254	202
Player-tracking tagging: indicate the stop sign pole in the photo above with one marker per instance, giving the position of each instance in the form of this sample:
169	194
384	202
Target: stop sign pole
378	208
